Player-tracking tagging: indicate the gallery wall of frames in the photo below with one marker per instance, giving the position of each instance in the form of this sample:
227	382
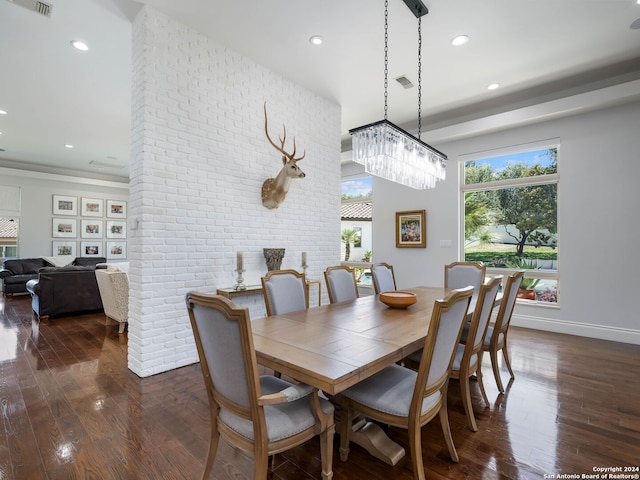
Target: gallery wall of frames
89	227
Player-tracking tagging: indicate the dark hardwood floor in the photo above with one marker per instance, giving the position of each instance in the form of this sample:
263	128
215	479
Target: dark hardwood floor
72	410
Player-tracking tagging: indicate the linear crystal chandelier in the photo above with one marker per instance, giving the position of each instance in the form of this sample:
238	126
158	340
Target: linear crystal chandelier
387	150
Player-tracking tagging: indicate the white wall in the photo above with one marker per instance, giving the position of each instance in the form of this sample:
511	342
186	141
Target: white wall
36	205
199	157
599	170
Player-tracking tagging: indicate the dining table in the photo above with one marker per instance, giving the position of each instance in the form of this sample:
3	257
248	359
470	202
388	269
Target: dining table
335	346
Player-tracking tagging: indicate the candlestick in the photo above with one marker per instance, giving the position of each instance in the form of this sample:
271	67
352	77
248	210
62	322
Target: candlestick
239	263
304	259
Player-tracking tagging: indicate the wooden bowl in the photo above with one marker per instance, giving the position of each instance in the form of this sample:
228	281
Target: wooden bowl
398	299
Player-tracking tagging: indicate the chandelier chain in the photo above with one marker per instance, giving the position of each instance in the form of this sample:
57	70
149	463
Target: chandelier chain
419	75
386	57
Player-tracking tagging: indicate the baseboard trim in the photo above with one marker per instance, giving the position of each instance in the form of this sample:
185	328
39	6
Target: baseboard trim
614	334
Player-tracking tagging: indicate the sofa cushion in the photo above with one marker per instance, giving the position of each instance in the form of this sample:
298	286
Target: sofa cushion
23	266
19	279
88	261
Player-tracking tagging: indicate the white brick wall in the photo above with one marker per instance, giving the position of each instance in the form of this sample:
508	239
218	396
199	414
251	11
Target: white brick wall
199	157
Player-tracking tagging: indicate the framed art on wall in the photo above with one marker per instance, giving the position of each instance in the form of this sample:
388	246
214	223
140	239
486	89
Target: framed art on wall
63	205
116	229
91	229
63	248
91	207
91	249
411	229
64	228
116	250
116	209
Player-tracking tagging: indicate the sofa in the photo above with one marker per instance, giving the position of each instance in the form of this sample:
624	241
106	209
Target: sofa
16	272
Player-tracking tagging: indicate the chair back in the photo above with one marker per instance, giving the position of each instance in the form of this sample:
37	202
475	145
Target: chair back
341	284
442	339
507	305
224	341
284	291
461	274
482	315
383	278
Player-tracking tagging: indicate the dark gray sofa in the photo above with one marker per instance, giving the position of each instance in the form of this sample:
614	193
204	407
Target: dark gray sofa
60	291
16	272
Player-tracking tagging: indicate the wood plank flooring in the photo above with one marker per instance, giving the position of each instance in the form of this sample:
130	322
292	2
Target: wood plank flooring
71	409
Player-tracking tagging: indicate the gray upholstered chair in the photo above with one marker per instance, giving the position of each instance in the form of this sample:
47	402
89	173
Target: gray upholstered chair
341	284
461	274
496	337
408	399
262	415
284	291
468	359
383	278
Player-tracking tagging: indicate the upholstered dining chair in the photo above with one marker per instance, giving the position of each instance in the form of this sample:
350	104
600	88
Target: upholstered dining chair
261	415
408	399
284	291
468	358
341	283
496	336
383	278
461	274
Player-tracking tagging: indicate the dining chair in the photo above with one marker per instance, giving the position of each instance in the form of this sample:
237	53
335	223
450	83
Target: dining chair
341	283
261	415
383	278
461	274
284	291
468	358
406	398
496	336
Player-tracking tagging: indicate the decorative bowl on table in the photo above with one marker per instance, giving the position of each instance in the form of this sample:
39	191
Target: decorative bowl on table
398	299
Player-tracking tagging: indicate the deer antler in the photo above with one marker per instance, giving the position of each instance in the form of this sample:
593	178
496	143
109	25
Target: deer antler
280	148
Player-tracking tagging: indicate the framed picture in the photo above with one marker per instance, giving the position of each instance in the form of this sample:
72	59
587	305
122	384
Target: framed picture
91	229
91	249
116	209
116	250
64	228
92	207
116	229
411	229
63	248
63	205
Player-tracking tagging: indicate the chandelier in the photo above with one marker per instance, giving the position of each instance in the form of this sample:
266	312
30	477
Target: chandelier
388	151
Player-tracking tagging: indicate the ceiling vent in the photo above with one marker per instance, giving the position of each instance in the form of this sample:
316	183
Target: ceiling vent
99	164
404	81
36	5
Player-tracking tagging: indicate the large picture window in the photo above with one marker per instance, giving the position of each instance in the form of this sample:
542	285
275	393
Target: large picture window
511	216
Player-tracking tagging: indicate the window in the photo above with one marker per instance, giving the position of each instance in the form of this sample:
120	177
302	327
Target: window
511	215
8	238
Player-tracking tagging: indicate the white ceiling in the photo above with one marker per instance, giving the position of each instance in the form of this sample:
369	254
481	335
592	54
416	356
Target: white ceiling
537	50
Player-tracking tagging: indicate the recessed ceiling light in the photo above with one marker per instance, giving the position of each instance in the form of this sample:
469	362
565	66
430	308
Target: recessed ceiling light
2	112
493	86
80	45
315	40
459	40
68	145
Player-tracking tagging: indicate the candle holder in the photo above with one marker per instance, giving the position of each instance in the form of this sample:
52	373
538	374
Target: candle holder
304	271
240	281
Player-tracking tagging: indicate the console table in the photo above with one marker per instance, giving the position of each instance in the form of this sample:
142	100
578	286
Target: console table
231	292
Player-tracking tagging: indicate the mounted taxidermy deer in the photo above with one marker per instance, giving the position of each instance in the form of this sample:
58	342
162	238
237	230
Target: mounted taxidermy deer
275	189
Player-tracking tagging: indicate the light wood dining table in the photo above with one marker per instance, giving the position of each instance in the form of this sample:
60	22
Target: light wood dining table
333	347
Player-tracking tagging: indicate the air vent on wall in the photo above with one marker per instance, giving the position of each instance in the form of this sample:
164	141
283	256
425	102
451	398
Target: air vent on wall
404	81
99	164
36	5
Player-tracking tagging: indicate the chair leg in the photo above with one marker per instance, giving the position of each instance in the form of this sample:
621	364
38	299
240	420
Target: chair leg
507	361
496	370
211	456
446	429
261	460
480	380
466	401
121	327
326	451
346	419
415	451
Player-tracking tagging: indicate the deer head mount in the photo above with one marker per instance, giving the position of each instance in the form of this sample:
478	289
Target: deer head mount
275	189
